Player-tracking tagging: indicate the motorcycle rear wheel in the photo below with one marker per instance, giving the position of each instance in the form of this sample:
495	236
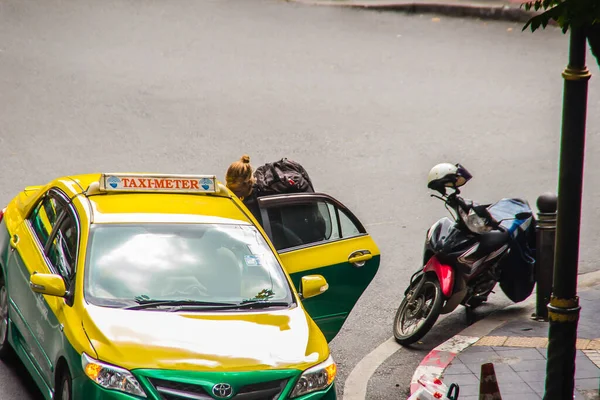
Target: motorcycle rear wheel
424	309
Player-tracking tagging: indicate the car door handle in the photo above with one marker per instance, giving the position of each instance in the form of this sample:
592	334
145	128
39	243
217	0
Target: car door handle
14	240
359	258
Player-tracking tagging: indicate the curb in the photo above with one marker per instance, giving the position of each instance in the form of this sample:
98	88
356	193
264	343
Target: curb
450	8
438	359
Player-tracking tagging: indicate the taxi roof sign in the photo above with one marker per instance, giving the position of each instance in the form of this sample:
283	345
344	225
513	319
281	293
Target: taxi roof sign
163	183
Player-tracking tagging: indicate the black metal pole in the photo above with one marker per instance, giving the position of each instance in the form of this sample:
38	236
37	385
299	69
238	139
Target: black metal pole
544	248
563	311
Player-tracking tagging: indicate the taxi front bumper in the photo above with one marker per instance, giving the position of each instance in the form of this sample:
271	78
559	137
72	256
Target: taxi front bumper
86	389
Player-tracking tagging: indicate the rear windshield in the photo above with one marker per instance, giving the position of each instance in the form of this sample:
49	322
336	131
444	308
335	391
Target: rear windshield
197	262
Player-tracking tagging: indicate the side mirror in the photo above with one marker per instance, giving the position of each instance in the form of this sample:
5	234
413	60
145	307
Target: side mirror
312	285
50	284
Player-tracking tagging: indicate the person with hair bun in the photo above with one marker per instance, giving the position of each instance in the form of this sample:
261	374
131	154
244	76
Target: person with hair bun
239	178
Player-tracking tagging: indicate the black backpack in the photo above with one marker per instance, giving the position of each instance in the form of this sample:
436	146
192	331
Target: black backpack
283	176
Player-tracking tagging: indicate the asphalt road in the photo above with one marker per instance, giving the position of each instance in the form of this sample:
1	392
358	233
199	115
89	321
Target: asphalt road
368	102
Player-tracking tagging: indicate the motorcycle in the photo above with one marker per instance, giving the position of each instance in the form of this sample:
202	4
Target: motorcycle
465	257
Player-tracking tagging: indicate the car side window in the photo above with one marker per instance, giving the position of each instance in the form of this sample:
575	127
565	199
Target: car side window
44	217
62	251
302	224
349	228
335	226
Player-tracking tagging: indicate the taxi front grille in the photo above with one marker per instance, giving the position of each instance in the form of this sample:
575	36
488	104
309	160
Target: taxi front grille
172	390
261	391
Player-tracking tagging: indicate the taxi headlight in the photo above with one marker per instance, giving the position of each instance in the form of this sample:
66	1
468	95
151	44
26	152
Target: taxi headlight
110	376
319	377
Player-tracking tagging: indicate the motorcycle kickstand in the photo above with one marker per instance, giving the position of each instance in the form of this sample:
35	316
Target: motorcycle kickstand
470	315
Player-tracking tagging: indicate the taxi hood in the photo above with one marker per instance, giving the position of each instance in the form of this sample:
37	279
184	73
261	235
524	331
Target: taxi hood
205	341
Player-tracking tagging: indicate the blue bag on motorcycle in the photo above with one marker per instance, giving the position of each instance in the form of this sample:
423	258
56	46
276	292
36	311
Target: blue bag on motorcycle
517	278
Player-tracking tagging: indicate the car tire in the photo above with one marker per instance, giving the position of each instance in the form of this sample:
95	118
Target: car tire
5	350
64	389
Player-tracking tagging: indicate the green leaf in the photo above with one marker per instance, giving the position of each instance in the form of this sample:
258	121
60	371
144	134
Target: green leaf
567	13
593	35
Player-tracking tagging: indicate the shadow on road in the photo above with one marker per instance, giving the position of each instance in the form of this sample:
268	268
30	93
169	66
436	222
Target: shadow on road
24	387
453	323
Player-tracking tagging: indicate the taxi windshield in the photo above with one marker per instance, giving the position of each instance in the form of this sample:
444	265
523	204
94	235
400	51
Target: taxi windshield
212	263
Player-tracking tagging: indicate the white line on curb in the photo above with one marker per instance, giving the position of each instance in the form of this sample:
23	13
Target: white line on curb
436	367
355	387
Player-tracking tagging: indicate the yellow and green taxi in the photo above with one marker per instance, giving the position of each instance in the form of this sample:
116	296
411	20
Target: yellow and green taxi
138	286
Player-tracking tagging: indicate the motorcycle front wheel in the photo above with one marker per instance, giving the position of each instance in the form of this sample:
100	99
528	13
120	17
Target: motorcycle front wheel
416	316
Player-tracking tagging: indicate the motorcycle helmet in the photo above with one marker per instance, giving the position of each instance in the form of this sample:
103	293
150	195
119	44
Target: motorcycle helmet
447	175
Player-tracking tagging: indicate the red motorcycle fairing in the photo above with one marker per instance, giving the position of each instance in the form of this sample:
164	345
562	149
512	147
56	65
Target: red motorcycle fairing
445	274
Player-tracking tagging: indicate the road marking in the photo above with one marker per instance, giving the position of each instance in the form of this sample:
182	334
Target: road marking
355	387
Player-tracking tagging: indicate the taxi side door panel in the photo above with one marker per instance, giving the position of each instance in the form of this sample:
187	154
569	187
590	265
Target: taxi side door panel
346	282
28	309
34	314
316	234
19	334
62	252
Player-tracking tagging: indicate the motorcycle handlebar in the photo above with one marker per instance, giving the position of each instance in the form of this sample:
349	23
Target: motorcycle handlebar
455	201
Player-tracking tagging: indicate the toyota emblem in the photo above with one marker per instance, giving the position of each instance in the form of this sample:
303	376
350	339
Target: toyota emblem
222	390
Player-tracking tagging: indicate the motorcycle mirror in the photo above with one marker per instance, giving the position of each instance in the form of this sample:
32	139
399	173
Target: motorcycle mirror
523	215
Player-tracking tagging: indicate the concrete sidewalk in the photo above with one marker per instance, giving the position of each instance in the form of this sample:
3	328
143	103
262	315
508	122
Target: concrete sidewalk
517	347
508	10
518	350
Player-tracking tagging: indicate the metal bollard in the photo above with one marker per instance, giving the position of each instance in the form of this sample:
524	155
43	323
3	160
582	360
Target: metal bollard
544	259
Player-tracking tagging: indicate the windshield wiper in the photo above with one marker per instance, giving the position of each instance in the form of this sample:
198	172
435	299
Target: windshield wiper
145	304
262	304
248	304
